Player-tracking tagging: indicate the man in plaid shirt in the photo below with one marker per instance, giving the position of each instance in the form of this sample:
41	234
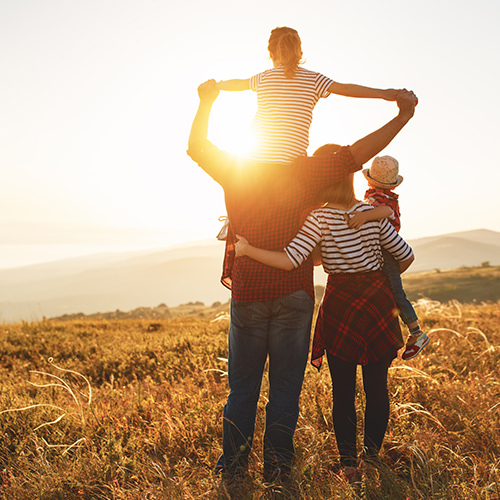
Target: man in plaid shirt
271	309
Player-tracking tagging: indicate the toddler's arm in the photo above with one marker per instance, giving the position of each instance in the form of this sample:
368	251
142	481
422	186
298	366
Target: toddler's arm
353	90
234	85
267	257
359	218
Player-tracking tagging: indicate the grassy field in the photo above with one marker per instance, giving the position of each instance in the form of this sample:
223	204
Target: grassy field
131	409
466	284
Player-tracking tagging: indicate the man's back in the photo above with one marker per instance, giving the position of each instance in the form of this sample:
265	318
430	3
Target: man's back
267	204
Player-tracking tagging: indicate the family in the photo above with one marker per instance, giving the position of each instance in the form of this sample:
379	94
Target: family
288	212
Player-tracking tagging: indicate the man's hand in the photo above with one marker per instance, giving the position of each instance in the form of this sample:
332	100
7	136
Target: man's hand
369	146
208	91
407	101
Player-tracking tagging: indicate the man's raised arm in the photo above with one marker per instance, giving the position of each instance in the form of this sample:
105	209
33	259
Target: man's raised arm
366	148
215	162
207	92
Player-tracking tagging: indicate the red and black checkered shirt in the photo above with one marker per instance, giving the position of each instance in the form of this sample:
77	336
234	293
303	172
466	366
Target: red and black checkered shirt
378	196
267	204
358	320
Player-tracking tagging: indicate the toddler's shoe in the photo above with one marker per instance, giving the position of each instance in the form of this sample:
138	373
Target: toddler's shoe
414	345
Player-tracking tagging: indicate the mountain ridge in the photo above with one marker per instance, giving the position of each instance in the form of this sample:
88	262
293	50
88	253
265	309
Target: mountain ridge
181	274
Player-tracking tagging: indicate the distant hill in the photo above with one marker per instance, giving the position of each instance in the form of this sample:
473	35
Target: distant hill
477	235
450	251
174	276
465	284
113	281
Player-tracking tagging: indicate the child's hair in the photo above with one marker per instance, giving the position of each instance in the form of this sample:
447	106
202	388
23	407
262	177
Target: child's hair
285	48
341	192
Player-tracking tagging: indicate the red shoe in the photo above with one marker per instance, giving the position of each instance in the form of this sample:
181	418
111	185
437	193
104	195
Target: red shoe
415	344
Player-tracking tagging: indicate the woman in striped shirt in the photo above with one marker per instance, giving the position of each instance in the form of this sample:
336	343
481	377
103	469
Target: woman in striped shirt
357	320
286	96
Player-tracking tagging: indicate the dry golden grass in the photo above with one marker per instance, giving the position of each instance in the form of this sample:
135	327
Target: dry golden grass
129	409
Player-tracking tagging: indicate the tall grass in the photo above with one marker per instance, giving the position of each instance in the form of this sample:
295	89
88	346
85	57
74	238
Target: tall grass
116	409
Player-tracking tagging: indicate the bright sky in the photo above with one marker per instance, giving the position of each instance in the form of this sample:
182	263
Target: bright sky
97	99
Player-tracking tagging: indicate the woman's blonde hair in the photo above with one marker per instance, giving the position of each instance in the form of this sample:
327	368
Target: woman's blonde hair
285	48
341	193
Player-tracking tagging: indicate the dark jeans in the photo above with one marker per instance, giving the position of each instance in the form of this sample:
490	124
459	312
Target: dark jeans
278	328
343	375
393	274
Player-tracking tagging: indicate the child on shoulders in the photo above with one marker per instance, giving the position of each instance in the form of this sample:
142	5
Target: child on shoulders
287	95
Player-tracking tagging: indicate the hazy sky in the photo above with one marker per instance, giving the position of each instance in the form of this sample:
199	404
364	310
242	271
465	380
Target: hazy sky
97	98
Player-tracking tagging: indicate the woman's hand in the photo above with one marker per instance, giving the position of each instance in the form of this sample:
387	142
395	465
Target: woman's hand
241	246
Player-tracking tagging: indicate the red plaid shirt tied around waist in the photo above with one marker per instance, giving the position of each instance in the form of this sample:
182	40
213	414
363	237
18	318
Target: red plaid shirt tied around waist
267	203
358	320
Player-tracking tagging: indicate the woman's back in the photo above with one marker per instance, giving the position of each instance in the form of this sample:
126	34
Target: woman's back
346	250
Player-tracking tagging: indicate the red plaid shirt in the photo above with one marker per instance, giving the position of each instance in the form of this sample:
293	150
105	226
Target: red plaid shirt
377	196
267	204
358	320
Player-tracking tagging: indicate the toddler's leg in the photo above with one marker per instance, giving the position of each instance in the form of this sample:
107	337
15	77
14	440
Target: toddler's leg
417	339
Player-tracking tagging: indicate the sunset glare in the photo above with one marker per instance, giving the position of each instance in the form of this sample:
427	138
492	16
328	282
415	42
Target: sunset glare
99	96
231	122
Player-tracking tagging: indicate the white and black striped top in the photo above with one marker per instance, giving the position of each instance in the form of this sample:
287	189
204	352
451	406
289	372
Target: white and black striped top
345	250
284	112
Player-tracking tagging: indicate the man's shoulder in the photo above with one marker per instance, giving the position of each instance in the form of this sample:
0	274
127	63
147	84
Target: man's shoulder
199	146
215	162
203	149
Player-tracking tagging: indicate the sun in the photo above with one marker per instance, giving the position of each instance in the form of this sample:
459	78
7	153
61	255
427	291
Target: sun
231	122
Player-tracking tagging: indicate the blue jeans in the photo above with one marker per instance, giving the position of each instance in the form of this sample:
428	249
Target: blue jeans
281	329
391	271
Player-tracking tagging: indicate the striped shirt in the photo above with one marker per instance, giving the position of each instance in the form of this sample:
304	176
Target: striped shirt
345	250
284	112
